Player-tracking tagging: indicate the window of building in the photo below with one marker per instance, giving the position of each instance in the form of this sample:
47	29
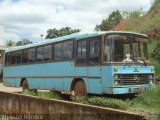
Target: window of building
48	52
40	54
94	46
67	50
58	51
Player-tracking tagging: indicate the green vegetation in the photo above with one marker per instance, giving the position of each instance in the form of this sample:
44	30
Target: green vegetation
109	23
9	43
21	42
53	33
147	102
103	101
52	95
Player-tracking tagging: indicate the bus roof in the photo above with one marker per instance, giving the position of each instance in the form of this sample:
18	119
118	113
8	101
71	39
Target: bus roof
74	36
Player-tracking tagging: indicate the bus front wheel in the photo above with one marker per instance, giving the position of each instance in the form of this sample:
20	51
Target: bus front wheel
25	85
80	89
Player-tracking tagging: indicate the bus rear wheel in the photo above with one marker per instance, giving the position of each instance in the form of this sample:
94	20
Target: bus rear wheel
80	89
25	85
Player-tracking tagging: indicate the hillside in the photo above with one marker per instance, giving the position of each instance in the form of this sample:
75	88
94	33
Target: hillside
148	24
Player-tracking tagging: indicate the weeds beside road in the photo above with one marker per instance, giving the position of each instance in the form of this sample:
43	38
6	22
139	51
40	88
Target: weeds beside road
146	103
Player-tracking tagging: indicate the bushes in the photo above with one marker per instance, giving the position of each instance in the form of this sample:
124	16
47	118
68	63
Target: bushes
147	103
149	97
109	102
29	92
52	95
104	102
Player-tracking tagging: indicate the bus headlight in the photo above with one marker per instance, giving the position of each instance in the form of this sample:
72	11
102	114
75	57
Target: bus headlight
116	77
116	80
151	79
150	76
116	83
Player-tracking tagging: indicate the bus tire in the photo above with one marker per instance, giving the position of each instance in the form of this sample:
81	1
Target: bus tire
25	85
80	89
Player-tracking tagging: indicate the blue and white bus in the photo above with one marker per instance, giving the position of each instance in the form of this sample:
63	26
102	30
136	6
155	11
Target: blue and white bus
112	62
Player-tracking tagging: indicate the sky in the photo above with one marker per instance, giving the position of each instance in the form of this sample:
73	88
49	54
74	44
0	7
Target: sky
31	18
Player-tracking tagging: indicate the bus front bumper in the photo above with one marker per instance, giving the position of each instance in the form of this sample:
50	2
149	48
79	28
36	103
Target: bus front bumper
127	90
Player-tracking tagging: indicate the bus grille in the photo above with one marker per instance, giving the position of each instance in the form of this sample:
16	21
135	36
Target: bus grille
134	79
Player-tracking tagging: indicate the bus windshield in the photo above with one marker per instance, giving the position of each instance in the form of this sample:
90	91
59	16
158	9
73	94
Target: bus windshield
125	48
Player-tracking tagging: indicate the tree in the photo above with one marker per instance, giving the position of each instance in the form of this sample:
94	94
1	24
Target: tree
23	42
108	24
114	18
156	51
133	14
53	33
10	43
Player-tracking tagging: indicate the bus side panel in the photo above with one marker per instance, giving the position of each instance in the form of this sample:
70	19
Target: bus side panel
94	80
33	84
36	83
17	80
80	72
49	83
94	86
58	84
10	82
67	84
107	79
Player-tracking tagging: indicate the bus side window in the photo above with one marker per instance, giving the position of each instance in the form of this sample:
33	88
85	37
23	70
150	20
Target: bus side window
107	51
81	52
40	56
58	51
31	55
18	57
7	59
24	56
13	58
94	46
67	50
47	52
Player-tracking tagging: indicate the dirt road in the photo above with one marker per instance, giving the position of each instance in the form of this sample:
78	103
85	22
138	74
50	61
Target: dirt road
9	89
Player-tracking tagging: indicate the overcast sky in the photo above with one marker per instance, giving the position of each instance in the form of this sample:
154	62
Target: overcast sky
30	18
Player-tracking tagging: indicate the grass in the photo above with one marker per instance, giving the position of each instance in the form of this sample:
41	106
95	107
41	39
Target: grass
52	95
103	101
146	103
